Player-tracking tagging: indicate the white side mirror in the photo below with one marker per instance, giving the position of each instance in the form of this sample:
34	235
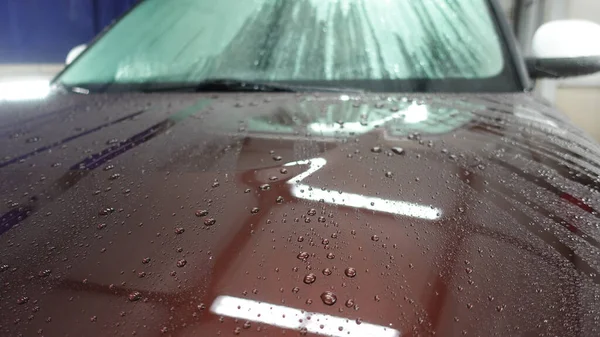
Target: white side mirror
76	51
567	38
565	48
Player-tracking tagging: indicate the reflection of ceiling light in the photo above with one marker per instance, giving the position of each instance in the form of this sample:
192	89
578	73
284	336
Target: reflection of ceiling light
24	89
308	192
416	113
364	202
291	318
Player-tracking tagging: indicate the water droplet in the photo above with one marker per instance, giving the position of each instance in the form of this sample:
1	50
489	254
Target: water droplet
398	150
101	226
303	331
321	219
135	296
300	238
310	278
328	298
265	187
201	212
330	256
209	222
377	298
254	210
295	290
375	238
277	158
327	271
44	273
349	303
179	230
146	260
311	212
247	190
325	241
376	149
350	272
388	174
303	256
279	200
106	211
283	171
114	176
23	300
181	263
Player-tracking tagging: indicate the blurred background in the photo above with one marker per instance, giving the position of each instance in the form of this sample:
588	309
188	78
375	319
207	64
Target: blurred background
37	35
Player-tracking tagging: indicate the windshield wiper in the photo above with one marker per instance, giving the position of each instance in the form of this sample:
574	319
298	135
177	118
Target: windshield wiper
235	85
209	85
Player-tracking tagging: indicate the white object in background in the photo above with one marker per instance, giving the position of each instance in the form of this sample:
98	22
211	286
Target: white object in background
24	89
73	53
566	39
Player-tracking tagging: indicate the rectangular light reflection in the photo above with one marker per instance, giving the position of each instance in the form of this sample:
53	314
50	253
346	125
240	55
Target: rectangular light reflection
291	318
360	201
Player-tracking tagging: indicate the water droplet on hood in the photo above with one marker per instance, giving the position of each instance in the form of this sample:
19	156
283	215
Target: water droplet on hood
201	212
398	150
310	278
303	256
376	149
135	296
254	210
350	272
209	222
181	263
328	298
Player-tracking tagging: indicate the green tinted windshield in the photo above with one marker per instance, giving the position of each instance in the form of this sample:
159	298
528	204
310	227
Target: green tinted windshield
354	43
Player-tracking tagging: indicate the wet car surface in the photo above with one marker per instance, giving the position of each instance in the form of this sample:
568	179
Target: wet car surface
286	214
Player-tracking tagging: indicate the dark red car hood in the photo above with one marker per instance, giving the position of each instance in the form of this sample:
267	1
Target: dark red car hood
265	214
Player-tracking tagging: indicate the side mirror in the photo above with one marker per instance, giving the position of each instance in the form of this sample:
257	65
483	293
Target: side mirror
73	53
565	48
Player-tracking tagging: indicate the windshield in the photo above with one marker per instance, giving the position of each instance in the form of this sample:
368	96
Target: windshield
373	45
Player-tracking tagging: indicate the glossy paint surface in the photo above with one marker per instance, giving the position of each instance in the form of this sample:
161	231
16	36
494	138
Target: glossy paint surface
265	214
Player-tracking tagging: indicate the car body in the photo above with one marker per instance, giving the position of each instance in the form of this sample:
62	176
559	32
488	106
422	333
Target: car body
312	213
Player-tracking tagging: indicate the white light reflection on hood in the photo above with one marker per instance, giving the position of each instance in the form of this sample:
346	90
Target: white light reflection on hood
412	114
291	318
308	192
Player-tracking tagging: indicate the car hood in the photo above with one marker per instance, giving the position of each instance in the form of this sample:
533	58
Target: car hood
336	215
